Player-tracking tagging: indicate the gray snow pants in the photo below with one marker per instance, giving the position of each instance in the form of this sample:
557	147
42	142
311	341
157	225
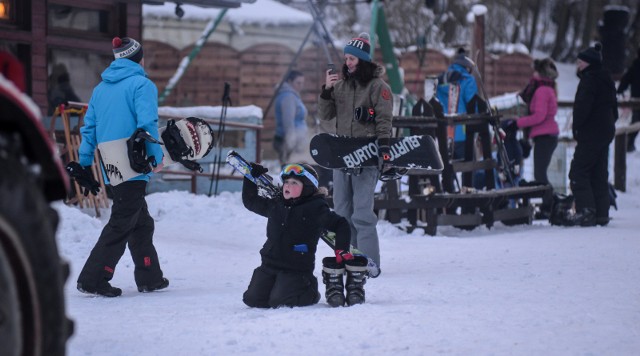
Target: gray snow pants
353	199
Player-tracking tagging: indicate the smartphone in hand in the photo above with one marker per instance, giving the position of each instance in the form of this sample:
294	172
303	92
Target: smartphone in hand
332	68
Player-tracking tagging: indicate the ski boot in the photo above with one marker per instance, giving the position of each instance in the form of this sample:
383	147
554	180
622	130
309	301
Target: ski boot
332	273
585	217
356	278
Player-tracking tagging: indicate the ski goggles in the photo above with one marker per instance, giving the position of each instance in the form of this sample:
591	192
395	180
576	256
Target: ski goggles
295	169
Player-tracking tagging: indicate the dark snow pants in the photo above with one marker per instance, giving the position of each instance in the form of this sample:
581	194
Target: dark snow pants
130	223
542	153
272	288
589	177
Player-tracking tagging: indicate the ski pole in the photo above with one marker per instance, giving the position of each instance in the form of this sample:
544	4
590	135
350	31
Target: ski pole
215	173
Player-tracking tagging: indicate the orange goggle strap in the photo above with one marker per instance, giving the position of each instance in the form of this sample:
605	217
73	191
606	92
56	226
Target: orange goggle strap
298	170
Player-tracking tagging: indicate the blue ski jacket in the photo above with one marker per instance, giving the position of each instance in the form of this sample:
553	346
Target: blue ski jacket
124	101
467	89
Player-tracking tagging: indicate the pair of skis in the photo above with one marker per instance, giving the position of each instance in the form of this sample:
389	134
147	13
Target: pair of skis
267	188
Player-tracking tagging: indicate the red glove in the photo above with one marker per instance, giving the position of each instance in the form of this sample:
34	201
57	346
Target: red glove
342	255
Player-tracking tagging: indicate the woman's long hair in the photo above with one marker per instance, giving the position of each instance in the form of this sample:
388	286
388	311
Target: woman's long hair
365	72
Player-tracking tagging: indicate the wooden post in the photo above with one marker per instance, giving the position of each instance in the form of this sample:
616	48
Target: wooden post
478	38
620	162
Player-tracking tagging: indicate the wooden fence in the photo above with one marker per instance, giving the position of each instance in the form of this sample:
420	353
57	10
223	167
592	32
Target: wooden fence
620	143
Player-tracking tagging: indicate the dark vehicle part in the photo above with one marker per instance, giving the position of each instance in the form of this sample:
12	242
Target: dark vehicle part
32	306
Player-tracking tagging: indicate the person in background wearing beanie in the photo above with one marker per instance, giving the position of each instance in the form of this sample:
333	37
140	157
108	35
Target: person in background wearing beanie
595	111
291	125
124	101
456	91
349	100
632	78
295	222
542	98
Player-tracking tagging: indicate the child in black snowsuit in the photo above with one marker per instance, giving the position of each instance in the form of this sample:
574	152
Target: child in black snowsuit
295	222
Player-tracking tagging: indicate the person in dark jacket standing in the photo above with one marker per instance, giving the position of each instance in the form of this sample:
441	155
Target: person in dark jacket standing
595	111
125	100
632	78
295	222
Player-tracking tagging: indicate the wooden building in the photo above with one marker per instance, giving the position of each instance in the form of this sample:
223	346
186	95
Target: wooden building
54	37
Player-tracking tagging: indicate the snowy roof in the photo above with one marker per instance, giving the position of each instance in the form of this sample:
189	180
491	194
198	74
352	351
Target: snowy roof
263	12
212	112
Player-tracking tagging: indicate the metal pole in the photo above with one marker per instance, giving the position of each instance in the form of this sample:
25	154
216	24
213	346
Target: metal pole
374	26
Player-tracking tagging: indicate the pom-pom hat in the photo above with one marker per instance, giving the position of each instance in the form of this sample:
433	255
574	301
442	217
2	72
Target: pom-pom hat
463	60
127	48
359	47
592	55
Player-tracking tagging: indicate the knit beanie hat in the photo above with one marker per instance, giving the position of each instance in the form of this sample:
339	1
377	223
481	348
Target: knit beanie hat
592	55
127	48
307	175
546	68
359	47
463	60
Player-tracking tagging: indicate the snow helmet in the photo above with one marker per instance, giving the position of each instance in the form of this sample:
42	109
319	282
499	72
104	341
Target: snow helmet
304	173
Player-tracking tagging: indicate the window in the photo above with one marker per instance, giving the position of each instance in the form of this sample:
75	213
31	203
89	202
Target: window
68	18
7	10
73	74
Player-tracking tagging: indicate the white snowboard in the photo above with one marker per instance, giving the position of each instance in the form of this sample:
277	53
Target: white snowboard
196	133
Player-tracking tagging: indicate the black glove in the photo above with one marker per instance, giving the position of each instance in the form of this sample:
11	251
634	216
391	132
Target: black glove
384	155
84	177
257	170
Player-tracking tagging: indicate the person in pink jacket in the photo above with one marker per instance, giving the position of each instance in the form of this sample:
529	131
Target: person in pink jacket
542	100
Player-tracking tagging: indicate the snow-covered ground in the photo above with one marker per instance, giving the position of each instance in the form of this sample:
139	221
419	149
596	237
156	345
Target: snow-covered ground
525	290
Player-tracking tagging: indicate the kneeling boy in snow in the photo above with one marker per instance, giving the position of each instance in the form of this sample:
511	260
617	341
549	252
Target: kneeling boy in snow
295	222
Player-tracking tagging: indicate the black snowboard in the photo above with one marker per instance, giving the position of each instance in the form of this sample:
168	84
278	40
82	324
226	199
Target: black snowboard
332	151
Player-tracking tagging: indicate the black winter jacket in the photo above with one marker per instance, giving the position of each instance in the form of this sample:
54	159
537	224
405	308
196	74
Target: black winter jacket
595	108
298	223
631	77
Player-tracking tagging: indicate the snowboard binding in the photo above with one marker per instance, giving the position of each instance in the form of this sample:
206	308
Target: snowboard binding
137	150
188	140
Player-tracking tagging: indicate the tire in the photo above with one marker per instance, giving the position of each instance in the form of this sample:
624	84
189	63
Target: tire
32	275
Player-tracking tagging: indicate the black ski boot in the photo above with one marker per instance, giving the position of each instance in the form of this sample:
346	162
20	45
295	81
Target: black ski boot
162	284
585	217
105	290
332	273
356	278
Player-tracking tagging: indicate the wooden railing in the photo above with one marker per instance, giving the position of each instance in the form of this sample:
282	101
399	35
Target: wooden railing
620	143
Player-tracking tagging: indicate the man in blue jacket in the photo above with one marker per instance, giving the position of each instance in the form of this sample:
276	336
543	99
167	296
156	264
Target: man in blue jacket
456	89
125	100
